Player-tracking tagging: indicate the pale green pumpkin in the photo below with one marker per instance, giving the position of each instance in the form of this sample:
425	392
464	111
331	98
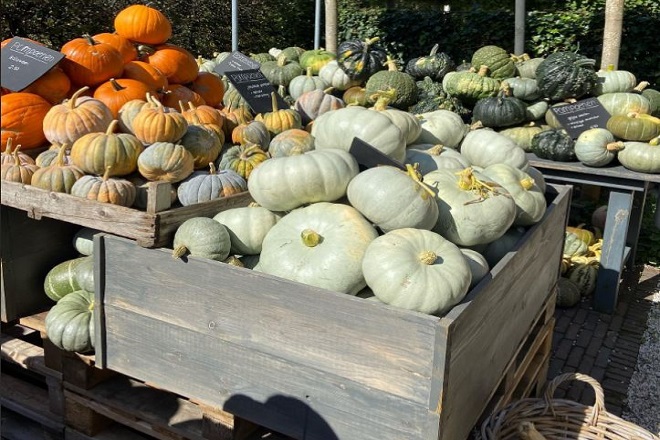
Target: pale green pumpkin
528	197
393	199
596	147
611	80
409	124
416	269
478	265
337	128
70	323
287	182
247	227
470	212
442	127
201	237
320	245
332	74
484	147
436	157
640	156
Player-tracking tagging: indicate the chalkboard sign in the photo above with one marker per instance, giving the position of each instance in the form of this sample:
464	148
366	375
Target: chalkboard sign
581	116
369	157
24	61
256	90
236	61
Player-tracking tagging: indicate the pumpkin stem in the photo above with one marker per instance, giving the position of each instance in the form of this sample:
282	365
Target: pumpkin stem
111	127
90	40
310	72
329	90
505	89
391	64
427	257
273	98
10	142
436	150
434	50
527	183
59	160
200	61
413	172
383	98
476	125
179	251
369	41
655	141
17	159
467	181
115	85
310	238
212	168
483	70
233	260
91	306
614	146
281	61
641	86
74	97
106	174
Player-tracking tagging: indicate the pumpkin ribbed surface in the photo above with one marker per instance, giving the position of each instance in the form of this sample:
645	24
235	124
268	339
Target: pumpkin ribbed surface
143	24
247	227
165	161
202	186
70	323
242	159
22	117
105	189
201	237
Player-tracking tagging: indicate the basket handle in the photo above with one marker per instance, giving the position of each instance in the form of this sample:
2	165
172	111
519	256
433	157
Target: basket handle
598	407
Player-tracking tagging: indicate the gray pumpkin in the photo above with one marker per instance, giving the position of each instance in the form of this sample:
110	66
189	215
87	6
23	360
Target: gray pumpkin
202	186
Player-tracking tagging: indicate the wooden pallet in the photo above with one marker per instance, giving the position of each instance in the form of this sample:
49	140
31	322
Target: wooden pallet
67	397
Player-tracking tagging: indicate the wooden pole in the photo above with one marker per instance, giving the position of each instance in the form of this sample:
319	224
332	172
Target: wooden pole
519	26
331	26
612	33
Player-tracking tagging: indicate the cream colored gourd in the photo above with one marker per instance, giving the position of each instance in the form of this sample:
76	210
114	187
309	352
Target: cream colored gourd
337	128
247	227
528	197
478	265
596	147
285	183
484	147
471	210
320	245
641	157
392	198
416	269
442	127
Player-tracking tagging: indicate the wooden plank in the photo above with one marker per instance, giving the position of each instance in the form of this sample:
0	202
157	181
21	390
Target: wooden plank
26	355
616	171
158	413
28	400
113	432
485	332
30	248
18	427
611	260
36	321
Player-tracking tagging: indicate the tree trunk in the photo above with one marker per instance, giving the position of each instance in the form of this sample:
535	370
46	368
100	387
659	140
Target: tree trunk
612	33
331	26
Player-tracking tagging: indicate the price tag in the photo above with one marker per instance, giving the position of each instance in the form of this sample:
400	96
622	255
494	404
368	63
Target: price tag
236	61
256	90
369	157
581	116
24	61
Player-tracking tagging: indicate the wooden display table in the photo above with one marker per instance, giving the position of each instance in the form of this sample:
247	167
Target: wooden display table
628	190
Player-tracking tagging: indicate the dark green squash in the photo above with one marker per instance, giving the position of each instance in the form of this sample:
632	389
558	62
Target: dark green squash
434	65
291	53
281	71
499	111
70	323
431	97
654	98
564	75
61	279
360	59
554	144
499	62
262	57
401	84
568	293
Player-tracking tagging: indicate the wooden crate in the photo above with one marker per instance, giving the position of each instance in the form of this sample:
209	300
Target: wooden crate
315	364
30	248
151	228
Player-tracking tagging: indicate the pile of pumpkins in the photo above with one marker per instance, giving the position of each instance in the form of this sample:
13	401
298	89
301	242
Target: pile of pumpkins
580	264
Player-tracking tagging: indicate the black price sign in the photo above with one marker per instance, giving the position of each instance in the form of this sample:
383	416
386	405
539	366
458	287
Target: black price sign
581	116
369	157
256	90
236	61
24	61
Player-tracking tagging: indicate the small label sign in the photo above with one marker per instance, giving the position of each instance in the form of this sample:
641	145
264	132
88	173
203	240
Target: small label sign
236	61
24	61
256	90
581	116
369	157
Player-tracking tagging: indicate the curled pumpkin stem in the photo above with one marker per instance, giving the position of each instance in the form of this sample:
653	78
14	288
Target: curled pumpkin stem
428	257
383	98
179	251
413	172
469	182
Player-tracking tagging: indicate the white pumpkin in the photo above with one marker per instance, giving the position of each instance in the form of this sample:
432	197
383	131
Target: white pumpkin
393	199
435	157
484	147
442	127
247	227
320	245
416	269
478	265
285	183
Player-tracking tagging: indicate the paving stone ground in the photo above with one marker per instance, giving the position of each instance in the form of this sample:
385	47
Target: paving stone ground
601	345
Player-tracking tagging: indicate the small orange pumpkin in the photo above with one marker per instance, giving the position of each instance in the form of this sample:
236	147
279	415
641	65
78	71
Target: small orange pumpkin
143	24
21	118
90	63
145	72
54	86
58	177
117	92
240	115
123	45
18	171
176	95
159	124
176	63
210	87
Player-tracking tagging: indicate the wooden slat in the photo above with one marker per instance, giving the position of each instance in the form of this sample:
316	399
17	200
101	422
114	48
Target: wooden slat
485	332
19	427
26	355
28	400
615	171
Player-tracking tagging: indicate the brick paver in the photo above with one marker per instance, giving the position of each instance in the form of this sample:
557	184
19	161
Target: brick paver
603	346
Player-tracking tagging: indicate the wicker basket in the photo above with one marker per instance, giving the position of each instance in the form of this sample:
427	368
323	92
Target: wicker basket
554	419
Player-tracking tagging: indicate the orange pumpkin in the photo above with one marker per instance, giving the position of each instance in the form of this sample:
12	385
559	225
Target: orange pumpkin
143	24
176	95
7	156
53	86
117	92
21	118
210	87
145	72
205	114
18	171
159	124
90	63
176	63
240	115
125	46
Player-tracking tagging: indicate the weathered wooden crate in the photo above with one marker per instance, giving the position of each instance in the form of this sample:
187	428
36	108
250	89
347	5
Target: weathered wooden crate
151	228
30	248
315	364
